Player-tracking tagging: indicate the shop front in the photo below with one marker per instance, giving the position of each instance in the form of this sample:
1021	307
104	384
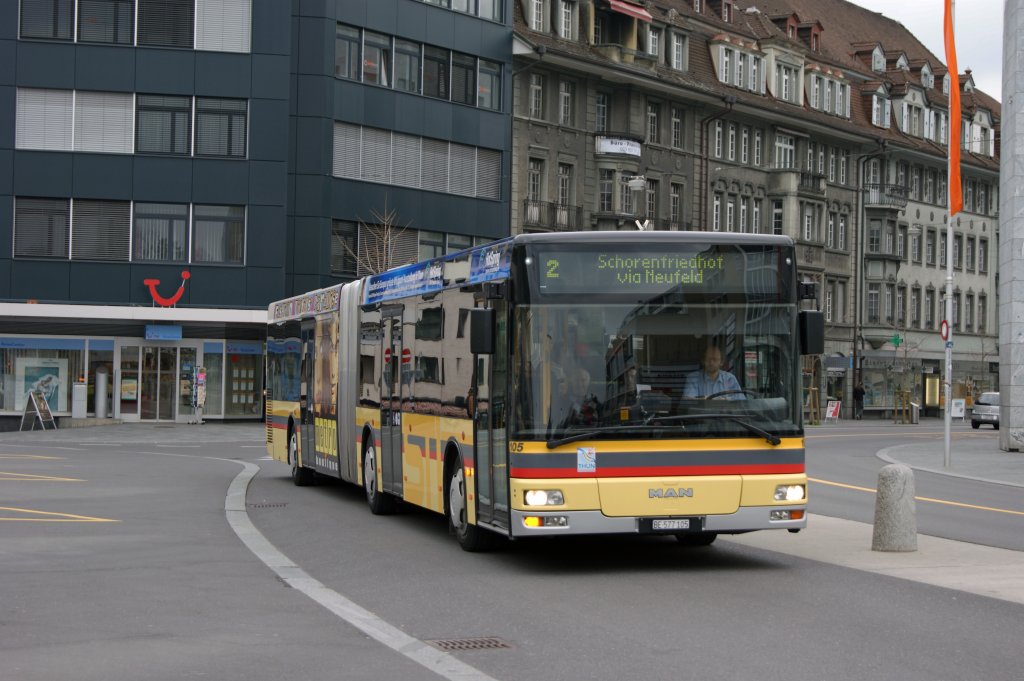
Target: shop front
141	372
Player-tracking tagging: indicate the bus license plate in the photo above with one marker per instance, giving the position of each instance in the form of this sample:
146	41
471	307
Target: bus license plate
670	524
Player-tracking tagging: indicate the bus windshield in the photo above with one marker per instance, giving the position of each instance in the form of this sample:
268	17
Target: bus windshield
655	370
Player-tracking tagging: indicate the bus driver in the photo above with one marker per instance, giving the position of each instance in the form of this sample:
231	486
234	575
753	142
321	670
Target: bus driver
713	380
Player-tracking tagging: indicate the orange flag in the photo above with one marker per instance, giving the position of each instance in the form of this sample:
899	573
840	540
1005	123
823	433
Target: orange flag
956	196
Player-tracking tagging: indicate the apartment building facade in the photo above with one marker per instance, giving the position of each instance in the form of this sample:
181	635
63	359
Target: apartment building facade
818	120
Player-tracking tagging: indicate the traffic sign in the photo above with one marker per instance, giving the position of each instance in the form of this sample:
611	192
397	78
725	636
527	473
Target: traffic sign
896	340
944	329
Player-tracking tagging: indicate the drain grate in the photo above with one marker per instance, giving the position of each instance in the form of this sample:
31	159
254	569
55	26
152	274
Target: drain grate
456	644
277	504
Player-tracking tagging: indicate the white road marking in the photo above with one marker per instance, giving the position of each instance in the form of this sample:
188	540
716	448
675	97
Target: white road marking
440	663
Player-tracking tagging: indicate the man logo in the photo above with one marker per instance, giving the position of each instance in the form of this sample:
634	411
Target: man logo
670	493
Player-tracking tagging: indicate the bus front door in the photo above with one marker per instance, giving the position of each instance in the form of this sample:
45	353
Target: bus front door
490	426
391	403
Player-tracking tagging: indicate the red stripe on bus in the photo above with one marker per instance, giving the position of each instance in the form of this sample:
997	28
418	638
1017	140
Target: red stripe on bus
636	472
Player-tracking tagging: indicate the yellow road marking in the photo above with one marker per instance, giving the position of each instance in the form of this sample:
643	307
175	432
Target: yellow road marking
53	517
928	499
926	436
5	475
31	457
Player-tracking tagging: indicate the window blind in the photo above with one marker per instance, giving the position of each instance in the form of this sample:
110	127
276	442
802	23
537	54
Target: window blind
376	166
41	227
221	127
49	19
44	119
463	169
218	234
223	25
435	165
346	150
100	230
166	23
405	160
160	232
103	122
488	169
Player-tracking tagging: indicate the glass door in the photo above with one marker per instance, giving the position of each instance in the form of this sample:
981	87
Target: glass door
156	382
126	388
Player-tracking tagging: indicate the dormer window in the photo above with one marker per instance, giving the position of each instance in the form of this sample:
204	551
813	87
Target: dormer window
814	42
727	11
927	79
567	19
698	6
537	15
902	63
878	60
945	84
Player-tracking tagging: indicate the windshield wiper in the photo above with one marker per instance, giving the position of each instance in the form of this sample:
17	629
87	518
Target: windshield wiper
588	434
772	438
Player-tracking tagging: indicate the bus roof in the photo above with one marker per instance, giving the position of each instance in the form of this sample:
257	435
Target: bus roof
305	305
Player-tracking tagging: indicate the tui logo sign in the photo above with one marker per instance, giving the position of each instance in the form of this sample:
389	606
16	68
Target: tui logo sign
173	300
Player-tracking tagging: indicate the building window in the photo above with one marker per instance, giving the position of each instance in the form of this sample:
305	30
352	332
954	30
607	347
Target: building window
464	79
431	245
929	309
166	23
376	59
163	125
221	127
755	217
716	214
874	300
537	15
100	230
344	245
161	232
653	123
601	112
535	180
436	65
741	70
732	142
566	104
490	86
829	296
929	248
564	184
830	234
676	204
677	127
982	312
718	139
758	148
218	234
982	256
41	228
745	146
678	52
536	95
408	65
879	111
841	236
777	215
346	52
915	308
106	21
968	312
606	190
652	199
566	23
44	119
785	151
725	72
48	19
969	254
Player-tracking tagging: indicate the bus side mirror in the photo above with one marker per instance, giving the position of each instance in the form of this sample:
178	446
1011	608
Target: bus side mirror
812	332
481	331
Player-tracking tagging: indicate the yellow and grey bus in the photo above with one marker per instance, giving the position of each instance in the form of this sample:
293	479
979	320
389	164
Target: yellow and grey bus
551	384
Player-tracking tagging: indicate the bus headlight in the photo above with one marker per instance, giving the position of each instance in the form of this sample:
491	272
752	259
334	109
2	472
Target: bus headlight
790	493
544	497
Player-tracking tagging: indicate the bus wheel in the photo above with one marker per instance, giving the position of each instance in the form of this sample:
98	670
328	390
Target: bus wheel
697	538
380	502
471	538
301	476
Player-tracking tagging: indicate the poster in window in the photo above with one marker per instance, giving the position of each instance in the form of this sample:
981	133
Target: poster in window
47	375
129	389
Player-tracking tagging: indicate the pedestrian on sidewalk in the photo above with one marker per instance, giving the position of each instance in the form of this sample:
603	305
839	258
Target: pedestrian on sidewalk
858	401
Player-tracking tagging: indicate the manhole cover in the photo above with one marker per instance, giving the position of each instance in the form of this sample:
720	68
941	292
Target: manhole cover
277	504
454	644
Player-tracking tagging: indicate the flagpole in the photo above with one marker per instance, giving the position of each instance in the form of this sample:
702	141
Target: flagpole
954	201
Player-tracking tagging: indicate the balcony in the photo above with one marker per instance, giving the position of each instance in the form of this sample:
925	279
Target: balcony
880	195
811	183
550	217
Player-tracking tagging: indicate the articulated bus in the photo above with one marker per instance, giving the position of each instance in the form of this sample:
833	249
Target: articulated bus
540	386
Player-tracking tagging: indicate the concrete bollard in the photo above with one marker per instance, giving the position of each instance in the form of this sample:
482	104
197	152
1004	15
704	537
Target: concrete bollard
895	510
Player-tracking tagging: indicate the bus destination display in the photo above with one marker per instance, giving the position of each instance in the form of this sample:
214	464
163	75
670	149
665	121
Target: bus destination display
722	270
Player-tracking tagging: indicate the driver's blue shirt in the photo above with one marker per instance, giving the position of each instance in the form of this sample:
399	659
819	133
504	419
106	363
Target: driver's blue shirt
702	385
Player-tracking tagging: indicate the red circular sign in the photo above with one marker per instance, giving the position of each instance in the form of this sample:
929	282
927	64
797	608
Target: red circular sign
944	329
387	355
406	356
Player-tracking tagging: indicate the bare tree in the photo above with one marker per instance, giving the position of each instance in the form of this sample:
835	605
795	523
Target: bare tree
376	248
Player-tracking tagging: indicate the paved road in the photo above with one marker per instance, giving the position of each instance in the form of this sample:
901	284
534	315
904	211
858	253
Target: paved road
170	591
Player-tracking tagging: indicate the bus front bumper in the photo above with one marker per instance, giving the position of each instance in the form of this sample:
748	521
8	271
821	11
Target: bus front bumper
746	519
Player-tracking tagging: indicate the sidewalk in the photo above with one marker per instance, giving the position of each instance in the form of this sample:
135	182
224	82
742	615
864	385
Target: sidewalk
985	464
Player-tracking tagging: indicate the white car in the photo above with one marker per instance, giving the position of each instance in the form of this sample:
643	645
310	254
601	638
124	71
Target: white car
986	410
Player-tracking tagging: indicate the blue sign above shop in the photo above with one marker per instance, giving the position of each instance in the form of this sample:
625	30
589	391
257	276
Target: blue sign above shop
163	332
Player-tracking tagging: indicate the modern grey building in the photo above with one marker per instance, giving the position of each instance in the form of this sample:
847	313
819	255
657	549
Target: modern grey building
169	167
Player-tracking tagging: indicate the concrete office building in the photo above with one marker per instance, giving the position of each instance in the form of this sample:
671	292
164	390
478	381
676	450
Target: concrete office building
169	167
